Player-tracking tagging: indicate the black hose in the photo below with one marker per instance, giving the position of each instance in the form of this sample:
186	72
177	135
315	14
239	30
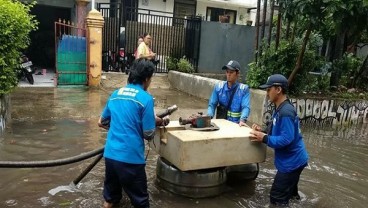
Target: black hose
86	171
168	111
50	163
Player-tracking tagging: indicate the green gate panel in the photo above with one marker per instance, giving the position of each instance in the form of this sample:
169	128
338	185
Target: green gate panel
72	79
72	61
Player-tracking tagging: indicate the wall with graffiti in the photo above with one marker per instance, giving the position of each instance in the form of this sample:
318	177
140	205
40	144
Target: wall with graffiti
327	112
4	111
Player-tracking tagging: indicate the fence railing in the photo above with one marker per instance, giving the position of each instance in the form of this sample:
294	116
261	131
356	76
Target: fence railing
172	37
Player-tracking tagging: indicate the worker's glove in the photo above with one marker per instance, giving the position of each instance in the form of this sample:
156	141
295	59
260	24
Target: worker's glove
165	121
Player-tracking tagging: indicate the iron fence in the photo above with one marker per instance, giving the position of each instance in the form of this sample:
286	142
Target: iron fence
173	38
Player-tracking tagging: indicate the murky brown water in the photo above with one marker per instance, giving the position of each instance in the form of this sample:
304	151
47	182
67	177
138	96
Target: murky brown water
58	123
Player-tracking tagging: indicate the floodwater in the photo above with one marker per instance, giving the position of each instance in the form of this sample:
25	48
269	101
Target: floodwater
62	122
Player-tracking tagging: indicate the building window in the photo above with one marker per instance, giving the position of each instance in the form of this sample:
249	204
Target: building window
221	15
145	2
131	9
183	9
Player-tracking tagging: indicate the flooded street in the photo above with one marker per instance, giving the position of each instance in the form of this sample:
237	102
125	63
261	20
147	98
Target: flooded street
55	123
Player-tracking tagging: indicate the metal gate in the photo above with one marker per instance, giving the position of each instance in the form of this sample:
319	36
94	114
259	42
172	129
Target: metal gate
71	54
172	37
111	42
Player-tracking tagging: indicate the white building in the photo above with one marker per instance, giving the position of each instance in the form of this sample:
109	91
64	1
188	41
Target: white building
229	11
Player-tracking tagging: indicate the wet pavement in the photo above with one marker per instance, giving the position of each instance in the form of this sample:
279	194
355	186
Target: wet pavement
54	123
42	78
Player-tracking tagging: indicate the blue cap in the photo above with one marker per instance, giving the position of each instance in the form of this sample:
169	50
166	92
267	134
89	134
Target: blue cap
275	80
232	65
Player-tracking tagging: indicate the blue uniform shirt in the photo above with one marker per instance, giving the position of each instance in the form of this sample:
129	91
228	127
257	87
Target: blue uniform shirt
285	137
131	110
240	106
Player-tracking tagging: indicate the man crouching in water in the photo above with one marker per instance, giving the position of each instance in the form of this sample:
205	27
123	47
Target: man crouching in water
132	119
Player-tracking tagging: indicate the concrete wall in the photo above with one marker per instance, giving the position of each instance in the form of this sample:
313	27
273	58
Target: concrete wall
158	5
314	112
362	50
202	87
318	112
4	112
222	42
241	17
59	3
331	112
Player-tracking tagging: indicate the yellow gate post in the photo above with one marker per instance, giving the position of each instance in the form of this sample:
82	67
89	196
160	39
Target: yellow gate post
95	23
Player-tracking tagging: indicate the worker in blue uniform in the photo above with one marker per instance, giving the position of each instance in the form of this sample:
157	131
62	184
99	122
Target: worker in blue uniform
131	111
230	99
285	138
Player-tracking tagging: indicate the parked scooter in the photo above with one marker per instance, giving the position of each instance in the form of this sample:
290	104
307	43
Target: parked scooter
122	61
114	62
25	69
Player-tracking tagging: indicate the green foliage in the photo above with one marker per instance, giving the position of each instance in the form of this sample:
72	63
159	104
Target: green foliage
8	79
15	25
272	61
171	63
342	22
282	61
349	66
327	17
185	66
182	64
176	53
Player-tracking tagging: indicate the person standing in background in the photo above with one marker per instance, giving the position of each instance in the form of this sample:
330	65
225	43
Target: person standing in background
140	40
144	49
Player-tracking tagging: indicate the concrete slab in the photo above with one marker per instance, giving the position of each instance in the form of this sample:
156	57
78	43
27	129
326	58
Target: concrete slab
40	79
193	150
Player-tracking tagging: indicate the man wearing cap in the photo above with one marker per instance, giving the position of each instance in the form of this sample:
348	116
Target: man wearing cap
231	98
285	138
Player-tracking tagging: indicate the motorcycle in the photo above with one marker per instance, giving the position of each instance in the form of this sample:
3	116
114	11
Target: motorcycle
25	69
122	63
115	62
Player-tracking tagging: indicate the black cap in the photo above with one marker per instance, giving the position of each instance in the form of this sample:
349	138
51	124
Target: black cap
275	80
232	65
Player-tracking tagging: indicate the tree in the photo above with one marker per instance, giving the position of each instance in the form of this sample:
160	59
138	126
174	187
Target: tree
311	12
15	25
342	21
348	20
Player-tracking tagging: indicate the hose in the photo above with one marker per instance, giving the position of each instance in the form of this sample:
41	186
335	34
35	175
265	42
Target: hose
50	163
87	170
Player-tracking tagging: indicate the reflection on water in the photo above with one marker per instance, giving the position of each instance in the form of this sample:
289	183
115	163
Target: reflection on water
59	123
70	188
